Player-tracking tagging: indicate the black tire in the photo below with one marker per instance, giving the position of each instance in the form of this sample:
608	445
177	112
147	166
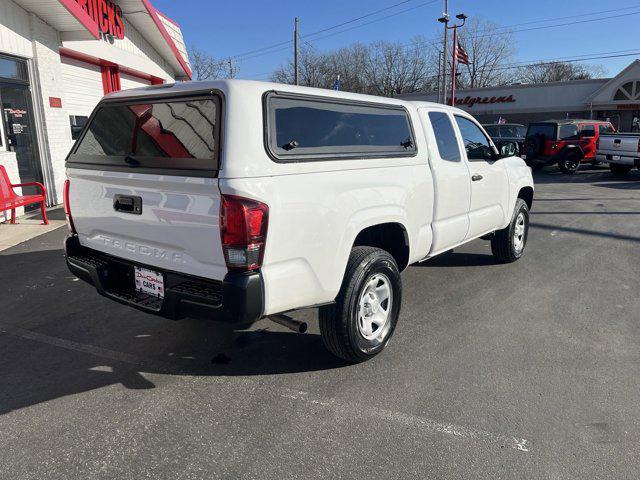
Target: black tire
340	322
503	244
570	163
618	169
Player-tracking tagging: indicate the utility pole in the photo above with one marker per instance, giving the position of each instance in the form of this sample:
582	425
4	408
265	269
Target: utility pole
295	52
444	20
231	68
439	78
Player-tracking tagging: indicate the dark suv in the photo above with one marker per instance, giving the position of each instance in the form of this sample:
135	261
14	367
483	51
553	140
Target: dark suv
511	132
565	142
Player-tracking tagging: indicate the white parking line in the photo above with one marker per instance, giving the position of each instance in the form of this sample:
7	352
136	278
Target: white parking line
413	421
344	409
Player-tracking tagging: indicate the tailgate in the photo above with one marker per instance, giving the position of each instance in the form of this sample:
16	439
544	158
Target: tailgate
177	228
143	183
625	145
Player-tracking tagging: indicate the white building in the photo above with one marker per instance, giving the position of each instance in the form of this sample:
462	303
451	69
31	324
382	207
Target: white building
58	58
616	99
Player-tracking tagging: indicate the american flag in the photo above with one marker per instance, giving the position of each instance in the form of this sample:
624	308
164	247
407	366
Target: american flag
461	55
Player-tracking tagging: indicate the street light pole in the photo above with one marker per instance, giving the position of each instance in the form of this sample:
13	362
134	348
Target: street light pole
445	19
463	17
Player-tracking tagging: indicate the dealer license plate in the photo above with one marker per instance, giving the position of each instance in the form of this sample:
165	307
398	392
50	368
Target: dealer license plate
150	282
615	157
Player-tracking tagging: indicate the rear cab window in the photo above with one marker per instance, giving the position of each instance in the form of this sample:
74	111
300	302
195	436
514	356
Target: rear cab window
177	136
314	128
445	136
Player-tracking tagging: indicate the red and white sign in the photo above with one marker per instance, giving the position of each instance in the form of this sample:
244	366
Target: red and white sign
106	14
55	102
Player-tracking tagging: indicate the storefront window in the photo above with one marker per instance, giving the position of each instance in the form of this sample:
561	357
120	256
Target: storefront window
13	69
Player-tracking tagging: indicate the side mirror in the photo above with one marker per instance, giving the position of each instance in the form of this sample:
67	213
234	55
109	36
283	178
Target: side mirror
508	149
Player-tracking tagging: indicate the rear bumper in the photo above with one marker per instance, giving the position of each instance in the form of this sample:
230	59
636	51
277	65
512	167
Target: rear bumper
622	160
239	298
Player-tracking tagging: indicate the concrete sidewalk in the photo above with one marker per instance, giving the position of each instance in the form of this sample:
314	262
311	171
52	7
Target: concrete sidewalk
29	226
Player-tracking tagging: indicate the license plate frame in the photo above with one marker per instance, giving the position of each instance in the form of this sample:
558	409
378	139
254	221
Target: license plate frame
149	281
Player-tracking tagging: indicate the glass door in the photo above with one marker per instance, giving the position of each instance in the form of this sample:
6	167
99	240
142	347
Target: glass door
18	121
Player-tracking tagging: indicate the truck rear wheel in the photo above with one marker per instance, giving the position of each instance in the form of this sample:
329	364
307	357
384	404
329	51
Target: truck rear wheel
570	163
360	323
618	169
508	244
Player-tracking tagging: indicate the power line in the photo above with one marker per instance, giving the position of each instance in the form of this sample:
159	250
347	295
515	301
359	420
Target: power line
376	20
507	32
549	61
496	31
240	55
304	37
438	40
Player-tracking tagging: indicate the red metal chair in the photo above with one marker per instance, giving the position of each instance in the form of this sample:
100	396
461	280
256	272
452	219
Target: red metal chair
9	200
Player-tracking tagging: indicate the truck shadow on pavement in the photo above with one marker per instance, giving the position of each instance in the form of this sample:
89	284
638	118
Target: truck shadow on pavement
591	175
58	337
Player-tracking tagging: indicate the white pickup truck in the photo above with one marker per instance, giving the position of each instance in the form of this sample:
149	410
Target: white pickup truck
239	200
620	150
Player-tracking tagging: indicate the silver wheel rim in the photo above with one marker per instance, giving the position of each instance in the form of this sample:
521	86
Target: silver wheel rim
518	233
374	310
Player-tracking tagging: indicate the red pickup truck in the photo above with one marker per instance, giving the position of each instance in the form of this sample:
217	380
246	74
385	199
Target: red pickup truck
568	143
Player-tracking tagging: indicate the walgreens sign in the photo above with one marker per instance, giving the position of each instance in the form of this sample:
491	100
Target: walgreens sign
471	101
106	14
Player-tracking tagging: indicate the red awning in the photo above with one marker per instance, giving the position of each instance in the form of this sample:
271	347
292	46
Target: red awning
68	16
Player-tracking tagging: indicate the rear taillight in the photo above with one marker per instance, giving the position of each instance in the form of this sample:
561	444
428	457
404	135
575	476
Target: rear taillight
67	207
243	230
639	145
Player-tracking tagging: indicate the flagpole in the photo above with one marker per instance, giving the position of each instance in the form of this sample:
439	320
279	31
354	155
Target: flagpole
453	66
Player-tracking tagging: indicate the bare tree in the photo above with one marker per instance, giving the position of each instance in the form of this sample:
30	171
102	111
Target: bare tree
393	69
545	72
382	68
204	66
488	54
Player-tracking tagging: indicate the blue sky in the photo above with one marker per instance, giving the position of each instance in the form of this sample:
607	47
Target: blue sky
225	29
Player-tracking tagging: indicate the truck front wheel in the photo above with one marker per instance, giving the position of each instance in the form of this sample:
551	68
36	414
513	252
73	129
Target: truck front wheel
360	323
618	169
508	244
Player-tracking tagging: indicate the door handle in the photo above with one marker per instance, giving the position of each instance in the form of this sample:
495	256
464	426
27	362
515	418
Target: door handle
127	204
476	178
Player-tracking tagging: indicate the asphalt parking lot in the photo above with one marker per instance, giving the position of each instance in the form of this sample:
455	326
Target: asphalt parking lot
527	370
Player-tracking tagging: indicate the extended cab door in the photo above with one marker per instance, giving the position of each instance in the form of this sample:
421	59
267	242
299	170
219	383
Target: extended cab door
452	191
488	179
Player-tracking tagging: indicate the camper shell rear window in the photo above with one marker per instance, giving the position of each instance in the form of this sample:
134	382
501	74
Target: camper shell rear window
307	128
173	136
